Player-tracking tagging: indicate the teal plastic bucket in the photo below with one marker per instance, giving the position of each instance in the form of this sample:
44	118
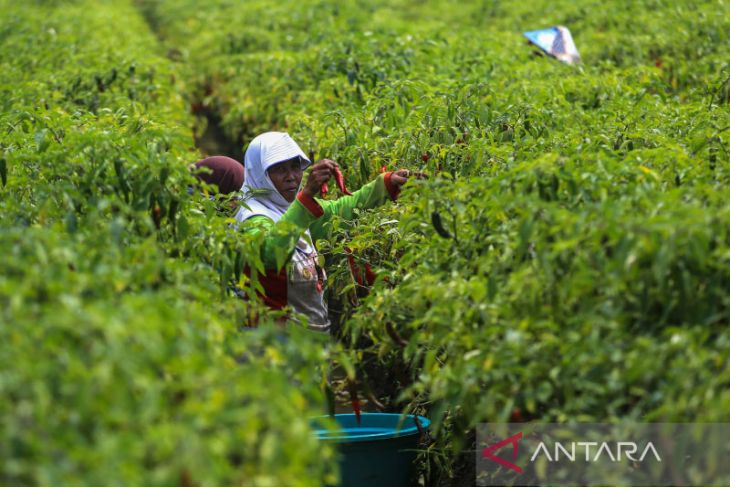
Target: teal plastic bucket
379	451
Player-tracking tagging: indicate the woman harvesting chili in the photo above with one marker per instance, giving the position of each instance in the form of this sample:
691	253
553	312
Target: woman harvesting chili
292	219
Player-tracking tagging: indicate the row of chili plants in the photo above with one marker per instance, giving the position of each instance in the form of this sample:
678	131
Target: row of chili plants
567	258
125	359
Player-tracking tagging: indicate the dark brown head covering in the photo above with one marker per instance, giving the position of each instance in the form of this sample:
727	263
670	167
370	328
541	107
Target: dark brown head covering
227	173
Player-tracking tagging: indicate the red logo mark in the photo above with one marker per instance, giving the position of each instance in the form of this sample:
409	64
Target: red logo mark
489	452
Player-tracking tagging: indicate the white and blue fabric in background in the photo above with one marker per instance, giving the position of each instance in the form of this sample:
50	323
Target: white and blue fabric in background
557	42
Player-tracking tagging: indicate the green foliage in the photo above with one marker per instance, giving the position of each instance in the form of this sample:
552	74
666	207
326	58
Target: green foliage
587	268
567	257
127	362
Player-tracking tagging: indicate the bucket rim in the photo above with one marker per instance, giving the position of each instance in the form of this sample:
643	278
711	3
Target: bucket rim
344	435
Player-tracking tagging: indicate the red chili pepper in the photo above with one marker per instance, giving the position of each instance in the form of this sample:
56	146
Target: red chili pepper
353	268
324	189
369	274
356	408
340	179
352	389
157	216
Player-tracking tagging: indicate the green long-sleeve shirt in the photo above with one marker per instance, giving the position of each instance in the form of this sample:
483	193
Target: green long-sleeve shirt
314	214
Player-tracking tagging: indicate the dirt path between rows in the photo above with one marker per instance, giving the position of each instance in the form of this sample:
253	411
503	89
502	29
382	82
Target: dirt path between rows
208	133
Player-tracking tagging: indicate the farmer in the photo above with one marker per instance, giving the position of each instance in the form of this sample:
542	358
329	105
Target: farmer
292	220
220	171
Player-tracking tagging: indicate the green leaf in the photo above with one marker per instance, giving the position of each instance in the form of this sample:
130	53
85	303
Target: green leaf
42	141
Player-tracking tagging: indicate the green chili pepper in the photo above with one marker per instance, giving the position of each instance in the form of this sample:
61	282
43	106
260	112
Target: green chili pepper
438	225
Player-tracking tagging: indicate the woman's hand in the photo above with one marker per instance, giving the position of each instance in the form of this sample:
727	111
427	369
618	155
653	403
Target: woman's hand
320	174
400	176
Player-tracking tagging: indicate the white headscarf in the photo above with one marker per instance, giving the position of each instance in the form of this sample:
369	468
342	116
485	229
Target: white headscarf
264	151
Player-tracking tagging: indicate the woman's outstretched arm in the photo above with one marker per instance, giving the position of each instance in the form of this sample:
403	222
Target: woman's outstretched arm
377	192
